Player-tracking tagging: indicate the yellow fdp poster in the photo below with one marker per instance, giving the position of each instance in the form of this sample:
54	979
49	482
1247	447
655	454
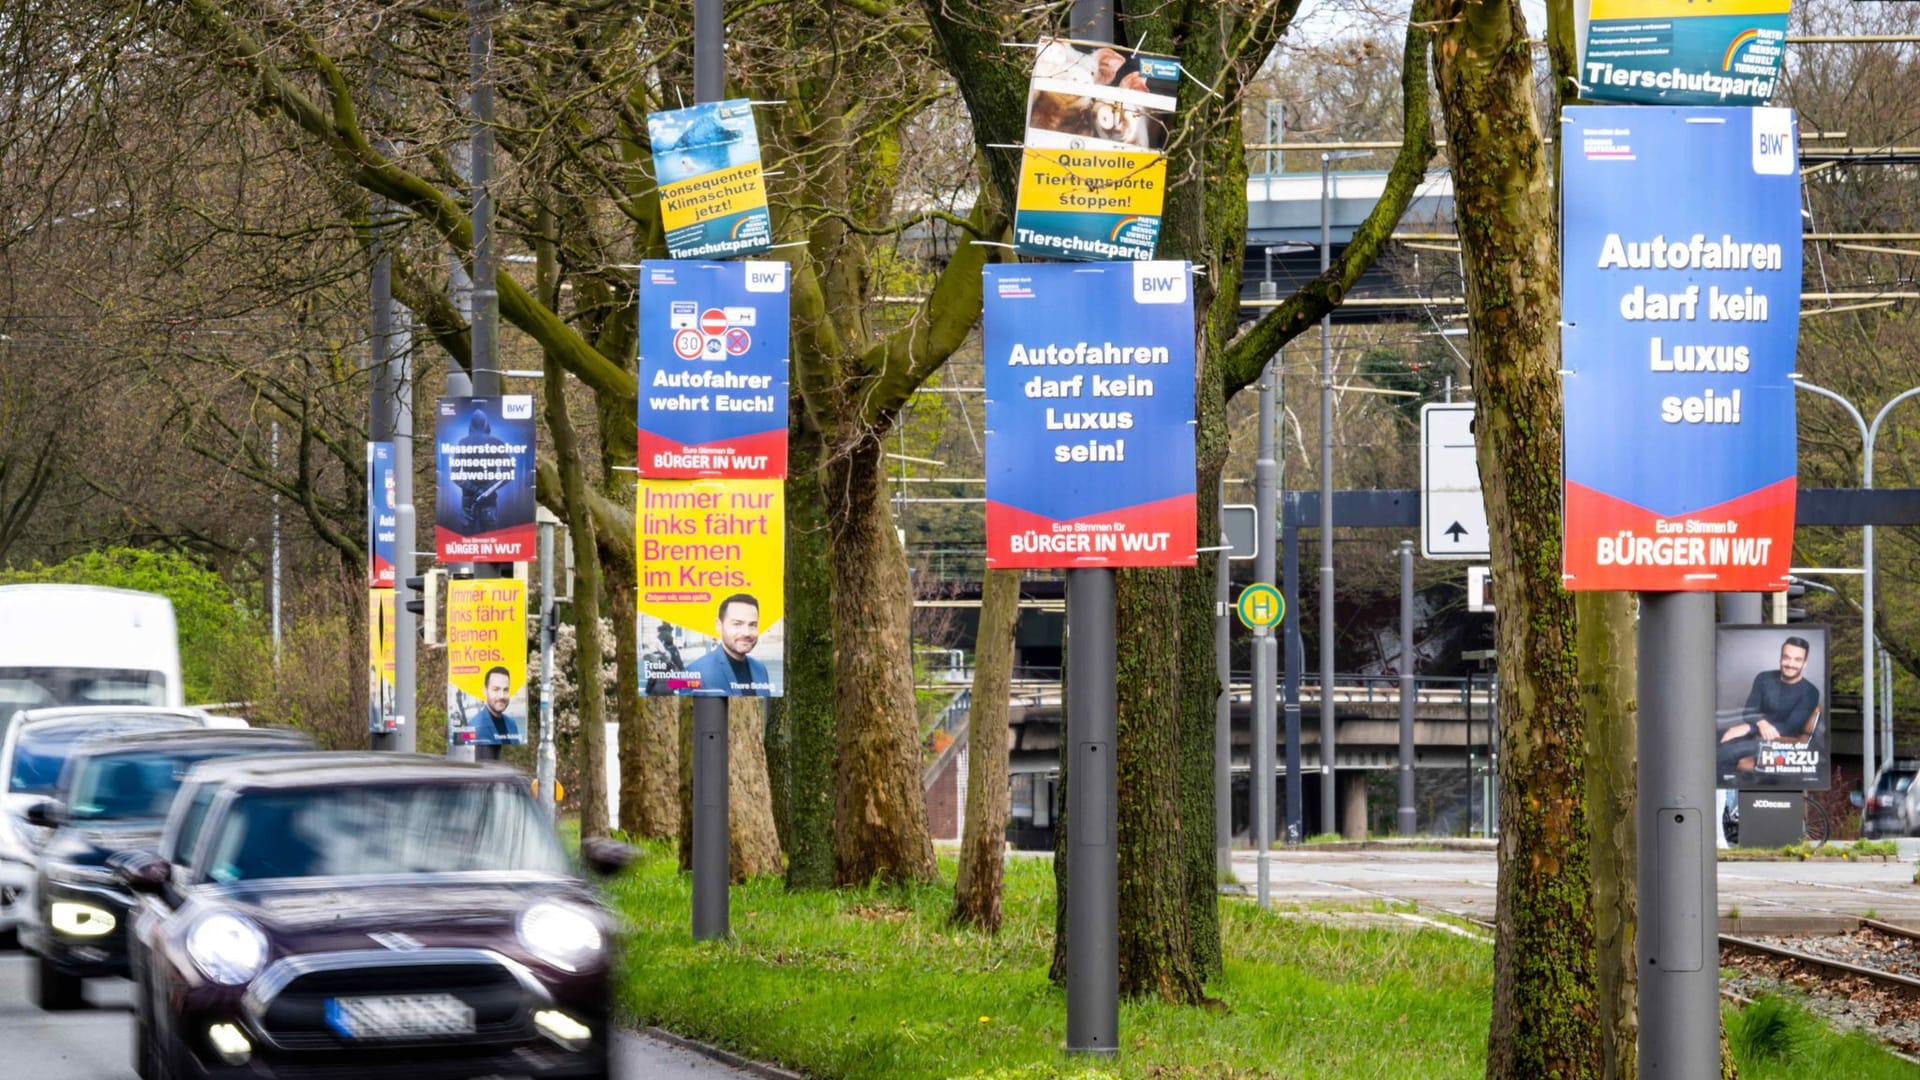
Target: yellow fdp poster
382	715
487	661
712	559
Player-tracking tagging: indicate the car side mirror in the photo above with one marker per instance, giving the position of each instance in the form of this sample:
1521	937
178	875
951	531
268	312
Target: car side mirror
606	858
139	870
47	813
1858	800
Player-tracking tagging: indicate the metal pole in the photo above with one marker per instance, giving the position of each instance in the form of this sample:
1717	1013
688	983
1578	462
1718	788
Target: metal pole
1407	692
1093	867
406	634
1296	659
1222	711
1328	816
459	385
1266	654
1868	766
275	460
1867	564
486	296
380	402
545	760
710	810
1093	858
1678	893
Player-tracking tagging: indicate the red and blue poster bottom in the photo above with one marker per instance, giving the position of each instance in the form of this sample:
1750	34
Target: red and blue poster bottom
761	455
1741	545
1150	534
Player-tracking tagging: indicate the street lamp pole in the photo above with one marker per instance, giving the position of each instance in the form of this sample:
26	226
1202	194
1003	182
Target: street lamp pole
1327	819
1868	434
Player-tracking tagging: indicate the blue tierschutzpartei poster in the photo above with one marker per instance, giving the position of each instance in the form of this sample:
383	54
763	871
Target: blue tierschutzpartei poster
1681	278
1090	458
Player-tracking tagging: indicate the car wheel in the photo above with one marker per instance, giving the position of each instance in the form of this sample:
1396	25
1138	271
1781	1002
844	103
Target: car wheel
55	990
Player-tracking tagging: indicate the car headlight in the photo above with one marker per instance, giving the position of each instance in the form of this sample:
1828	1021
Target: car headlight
79	920
227	948
563	936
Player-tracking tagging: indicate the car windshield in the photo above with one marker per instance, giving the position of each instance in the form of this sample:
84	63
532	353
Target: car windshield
45	687
132	786
387	829
43	749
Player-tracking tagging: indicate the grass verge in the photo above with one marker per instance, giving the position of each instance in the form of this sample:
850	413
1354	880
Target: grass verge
873	985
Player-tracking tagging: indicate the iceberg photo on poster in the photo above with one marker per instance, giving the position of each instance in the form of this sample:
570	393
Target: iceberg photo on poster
706	159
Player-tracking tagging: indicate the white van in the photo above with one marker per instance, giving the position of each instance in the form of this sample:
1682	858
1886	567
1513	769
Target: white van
86	645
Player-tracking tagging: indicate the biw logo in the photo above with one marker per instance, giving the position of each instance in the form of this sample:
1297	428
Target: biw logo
1159	282
1773	151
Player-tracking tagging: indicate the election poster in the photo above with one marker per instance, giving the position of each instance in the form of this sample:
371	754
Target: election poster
706	159
486	661
712	587
381	523
1094	169
1771	709
1681	52
713	369
1681	279
1089	379
484	500
382	710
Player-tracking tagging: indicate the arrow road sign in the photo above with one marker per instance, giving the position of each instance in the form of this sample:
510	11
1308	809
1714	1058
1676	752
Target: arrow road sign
1453	519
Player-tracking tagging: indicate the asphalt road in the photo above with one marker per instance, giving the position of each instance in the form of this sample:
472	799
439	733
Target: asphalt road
96	1043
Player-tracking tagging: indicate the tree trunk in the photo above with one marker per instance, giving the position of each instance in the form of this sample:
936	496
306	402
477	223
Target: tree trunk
777	743
753	844
1608	662
1156	957
983	843
809	700
648	754
880	811
586	609
1545	1019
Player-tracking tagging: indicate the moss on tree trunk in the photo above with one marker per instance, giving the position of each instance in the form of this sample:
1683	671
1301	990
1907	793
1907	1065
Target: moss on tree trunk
809	700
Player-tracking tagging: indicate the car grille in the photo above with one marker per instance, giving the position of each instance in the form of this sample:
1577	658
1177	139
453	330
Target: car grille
296	1017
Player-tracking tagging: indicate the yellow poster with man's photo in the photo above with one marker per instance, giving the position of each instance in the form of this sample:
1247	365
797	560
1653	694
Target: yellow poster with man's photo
712	562
382	713
487	661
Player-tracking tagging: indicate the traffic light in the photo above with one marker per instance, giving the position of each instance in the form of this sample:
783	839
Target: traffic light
1796	591
425	603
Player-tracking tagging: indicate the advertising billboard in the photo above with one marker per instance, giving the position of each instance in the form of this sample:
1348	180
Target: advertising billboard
1682	52
1089	379
1681	312
382	711
1771	708
1094	170
713	201
713	369
381	524
483	458
712	557
487	661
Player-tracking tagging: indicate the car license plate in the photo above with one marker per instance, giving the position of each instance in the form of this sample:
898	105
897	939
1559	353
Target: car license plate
399	1016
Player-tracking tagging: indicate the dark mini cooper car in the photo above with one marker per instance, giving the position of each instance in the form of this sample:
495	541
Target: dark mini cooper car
113	795
366	916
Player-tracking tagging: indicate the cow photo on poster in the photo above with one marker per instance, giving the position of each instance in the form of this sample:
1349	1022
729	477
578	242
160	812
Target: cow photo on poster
1772	714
